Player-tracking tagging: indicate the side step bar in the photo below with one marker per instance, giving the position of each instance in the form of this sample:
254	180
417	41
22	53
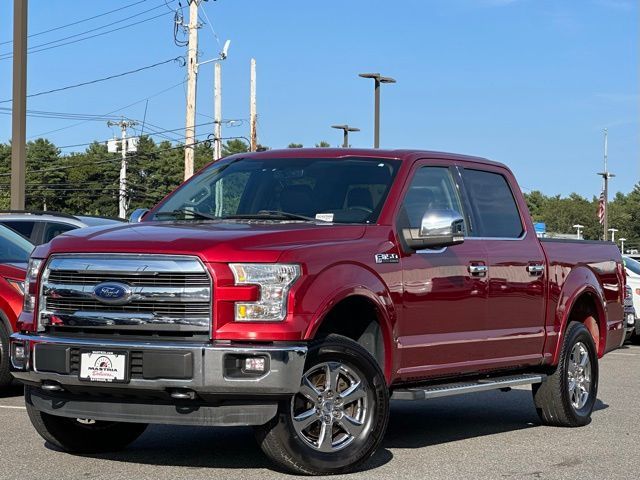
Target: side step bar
459	388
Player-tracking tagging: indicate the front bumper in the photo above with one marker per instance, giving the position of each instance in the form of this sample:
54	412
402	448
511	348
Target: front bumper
168	382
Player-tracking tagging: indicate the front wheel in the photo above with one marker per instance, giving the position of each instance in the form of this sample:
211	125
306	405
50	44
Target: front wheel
339	416
5	371
76	435
566	398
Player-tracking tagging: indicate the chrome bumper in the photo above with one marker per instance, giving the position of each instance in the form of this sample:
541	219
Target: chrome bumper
209	372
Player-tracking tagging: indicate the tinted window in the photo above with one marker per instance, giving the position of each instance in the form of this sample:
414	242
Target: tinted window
13	247
493	203
432	188
53	229
345	190
24	228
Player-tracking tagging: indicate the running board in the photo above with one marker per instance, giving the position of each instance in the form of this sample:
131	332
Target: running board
459	388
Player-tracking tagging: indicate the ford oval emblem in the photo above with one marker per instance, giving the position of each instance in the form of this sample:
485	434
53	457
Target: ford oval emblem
112	292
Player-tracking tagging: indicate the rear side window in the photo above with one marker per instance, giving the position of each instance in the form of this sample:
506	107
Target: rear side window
495	208
23	227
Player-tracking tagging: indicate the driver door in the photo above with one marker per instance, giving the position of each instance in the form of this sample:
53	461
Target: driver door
444	301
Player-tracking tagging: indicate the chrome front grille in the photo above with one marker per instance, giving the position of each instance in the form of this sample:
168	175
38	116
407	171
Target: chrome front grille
163	293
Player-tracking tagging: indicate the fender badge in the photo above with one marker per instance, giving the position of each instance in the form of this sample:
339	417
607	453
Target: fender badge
387	258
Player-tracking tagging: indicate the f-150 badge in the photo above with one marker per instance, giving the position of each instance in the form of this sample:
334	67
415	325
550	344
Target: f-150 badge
387	258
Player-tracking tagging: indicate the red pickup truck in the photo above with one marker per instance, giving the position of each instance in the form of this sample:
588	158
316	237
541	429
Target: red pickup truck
298	291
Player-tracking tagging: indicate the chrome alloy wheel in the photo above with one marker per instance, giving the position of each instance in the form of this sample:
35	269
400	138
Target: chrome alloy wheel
330	410
579	375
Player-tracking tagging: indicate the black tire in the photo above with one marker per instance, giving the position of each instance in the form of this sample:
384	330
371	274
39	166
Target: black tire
74	436
552	397
286	447
5	370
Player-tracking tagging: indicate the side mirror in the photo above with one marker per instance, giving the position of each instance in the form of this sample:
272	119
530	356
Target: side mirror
439	228
137	214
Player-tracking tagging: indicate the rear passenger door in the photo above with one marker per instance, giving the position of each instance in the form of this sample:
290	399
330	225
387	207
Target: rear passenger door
516	291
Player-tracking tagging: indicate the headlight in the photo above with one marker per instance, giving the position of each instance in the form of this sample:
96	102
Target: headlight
274	280
30	284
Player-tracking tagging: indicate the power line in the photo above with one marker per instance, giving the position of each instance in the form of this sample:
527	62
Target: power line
103	79
7	56
78	21
109	113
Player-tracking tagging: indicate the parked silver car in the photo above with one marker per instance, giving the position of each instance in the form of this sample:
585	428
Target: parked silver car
41	227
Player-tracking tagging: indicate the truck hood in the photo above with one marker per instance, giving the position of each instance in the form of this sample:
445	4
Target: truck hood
217	241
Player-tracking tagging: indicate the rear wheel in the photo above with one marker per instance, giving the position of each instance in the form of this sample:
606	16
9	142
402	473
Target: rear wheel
337	419
5	372
77	435
566	398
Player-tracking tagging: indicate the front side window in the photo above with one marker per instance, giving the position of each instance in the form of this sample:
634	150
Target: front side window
432	188
53	229
495	208
337	190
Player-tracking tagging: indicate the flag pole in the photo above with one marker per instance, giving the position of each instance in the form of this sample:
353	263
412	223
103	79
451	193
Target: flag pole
604	219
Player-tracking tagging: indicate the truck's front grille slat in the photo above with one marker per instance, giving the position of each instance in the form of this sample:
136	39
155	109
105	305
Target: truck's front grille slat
162	293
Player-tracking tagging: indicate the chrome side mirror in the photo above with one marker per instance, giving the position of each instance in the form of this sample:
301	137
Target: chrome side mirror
439	228
137	214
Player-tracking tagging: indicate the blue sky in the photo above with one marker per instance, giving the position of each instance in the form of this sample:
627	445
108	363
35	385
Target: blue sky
530	83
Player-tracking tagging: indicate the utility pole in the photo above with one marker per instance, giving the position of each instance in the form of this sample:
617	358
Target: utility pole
606	175
192	73
252	109
123	202
345	133
217	108
19	105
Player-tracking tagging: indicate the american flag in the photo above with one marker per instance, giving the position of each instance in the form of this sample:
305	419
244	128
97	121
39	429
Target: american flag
601	208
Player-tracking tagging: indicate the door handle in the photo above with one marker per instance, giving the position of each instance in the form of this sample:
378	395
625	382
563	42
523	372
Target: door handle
535	269
478	270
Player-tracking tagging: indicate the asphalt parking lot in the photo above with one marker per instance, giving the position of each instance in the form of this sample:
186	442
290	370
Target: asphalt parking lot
485	435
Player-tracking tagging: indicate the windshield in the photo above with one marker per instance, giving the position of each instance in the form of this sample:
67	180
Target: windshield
14	248
330	190
632	265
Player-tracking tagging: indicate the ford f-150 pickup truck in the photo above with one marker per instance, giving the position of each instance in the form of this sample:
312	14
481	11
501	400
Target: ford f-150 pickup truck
298	291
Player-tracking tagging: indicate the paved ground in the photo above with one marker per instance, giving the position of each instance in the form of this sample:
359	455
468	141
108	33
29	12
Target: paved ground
487	435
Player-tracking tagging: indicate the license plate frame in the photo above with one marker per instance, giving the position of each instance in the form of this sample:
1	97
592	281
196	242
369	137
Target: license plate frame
104	366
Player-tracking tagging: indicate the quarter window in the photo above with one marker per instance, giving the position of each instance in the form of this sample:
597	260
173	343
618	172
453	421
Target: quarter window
495	208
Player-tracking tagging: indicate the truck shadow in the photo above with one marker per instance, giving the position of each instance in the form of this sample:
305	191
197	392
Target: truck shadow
13	390
412	425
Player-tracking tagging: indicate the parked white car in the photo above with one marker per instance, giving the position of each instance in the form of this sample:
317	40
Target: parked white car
632	267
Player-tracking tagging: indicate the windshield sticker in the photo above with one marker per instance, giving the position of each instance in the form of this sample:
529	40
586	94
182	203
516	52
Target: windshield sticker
325	217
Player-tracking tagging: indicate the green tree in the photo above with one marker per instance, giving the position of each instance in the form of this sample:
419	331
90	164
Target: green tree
231	147
323	144
295	145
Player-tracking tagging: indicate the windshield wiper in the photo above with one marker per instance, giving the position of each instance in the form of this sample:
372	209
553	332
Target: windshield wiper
185	212
279	214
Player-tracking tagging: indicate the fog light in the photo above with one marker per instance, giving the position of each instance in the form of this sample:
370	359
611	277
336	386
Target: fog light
19	353
255	364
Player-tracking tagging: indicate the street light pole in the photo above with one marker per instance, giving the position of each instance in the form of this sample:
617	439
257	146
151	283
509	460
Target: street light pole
622	240
345	129
378	79
613	234
579	227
